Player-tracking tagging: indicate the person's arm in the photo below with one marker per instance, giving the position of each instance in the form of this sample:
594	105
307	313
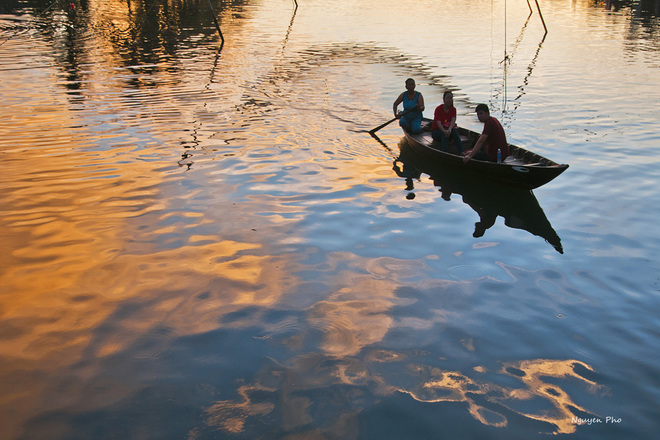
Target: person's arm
447	131
452	124
436	118
420	103
480	143
398	101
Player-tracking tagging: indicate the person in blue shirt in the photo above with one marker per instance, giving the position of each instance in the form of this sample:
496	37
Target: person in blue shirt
413	101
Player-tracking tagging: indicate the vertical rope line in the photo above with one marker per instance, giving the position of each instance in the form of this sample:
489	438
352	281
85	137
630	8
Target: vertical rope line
506	60
492	54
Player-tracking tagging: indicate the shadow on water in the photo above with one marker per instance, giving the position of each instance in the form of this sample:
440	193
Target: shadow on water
519	207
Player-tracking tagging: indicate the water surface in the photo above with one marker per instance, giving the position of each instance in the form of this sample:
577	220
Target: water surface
202	241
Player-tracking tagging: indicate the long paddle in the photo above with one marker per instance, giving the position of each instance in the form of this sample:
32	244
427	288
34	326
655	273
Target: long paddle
372	131
380	141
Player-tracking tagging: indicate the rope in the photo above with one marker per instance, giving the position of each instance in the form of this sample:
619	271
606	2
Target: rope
505	61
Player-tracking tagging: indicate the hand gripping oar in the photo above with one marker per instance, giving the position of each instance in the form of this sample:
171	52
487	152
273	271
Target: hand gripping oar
372	131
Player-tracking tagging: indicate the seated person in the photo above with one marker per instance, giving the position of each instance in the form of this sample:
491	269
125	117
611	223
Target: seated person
492	137
413	106
444	124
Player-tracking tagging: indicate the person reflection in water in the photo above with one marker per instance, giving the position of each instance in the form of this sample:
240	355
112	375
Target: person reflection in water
487	218
444	124
492	137
409	173
413	106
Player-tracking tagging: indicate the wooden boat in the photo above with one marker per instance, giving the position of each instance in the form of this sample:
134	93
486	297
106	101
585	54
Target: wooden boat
517	206
522	168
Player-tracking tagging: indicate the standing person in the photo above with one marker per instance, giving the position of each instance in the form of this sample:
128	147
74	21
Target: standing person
492	136
413	101
444	123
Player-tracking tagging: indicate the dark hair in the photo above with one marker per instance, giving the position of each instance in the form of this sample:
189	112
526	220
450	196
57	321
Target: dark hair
410	79
482	108
445	94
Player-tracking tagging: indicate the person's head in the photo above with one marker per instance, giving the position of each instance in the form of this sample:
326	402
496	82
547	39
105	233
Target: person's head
482	112
479	230
445	194
448	98
410	84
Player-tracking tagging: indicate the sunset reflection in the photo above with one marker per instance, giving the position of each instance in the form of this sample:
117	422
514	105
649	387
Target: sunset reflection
288	392
353	318
456	387
534	375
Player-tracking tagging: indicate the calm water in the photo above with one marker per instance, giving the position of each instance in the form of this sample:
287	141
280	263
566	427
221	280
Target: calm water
203	243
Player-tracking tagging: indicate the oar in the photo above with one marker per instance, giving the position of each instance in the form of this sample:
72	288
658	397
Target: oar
380	141
372	131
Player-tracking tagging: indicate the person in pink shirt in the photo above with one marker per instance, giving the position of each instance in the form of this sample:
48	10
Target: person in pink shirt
444	123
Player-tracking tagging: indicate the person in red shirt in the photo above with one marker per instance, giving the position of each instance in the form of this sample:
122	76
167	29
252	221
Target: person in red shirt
492	137
444	123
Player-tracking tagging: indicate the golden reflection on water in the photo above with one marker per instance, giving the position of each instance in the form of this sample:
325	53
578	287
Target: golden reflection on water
358	316
290	391
353	317
231	417
448	386
55	312
81	243
534	375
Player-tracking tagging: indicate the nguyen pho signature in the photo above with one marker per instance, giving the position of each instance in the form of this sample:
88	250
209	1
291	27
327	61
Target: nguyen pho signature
596	420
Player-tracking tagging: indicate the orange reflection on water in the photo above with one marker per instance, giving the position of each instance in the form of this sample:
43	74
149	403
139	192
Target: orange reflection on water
231	416
558	407
561	413
291	392
116	302
87	272
451	386
353	317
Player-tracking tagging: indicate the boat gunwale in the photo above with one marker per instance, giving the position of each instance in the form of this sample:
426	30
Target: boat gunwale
424	139
529	173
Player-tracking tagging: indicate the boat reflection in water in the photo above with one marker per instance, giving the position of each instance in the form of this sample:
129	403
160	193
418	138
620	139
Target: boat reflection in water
517	206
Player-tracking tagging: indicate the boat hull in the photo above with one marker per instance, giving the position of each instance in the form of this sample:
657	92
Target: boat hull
527	169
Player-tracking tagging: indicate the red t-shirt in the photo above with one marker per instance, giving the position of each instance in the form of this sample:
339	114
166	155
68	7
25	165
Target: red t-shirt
443	117
496	139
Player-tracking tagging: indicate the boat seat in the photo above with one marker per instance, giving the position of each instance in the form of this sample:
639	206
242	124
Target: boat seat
512	160
517	162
